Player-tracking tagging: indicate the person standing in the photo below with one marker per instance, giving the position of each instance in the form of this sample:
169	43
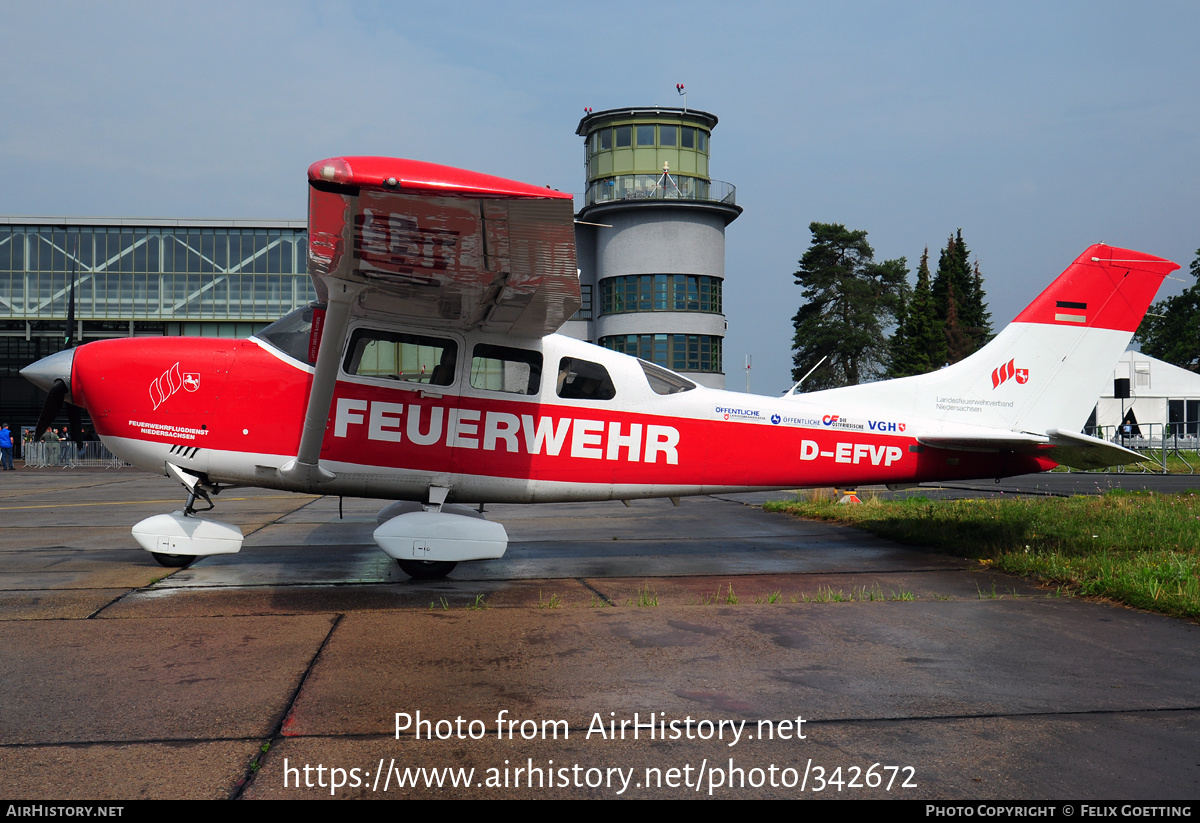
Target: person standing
53	447
6	447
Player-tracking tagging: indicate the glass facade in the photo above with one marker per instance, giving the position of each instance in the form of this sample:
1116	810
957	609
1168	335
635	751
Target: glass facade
629	158
660	292
585	303
158	273
678	352
206	278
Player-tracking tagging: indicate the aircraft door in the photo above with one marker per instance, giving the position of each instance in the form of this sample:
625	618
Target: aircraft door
394	405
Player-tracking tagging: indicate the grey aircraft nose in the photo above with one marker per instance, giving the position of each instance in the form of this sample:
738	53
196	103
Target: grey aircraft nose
44	372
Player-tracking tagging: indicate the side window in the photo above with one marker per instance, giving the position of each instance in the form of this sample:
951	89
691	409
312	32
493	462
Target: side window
409	358
500	368
584	380
665	382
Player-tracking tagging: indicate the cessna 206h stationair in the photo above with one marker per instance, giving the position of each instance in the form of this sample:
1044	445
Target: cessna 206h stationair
429	371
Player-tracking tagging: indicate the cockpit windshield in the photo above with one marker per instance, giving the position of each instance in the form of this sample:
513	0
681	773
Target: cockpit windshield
291	333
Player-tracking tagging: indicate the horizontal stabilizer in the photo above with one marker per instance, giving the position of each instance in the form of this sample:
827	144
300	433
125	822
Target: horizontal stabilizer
1082	452
1063	447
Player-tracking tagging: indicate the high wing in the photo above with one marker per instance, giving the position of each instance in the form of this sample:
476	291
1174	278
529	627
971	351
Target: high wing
432	246
439	246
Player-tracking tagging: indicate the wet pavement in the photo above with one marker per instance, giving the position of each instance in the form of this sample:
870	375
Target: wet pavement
280	671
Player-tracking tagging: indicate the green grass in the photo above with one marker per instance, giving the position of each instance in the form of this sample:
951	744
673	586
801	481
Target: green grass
1139	549
1183	462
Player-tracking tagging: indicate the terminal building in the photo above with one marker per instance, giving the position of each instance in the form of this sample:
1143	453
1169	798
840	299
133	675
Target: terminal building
650	238
137	278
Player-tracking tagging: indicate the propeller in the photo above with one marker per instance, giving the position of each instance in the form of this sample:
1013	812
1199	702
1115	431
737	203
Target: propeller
57	393
54	403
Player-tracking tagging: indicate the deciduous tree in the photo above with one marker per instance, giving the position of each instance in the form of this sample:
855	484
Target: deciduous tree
1174	335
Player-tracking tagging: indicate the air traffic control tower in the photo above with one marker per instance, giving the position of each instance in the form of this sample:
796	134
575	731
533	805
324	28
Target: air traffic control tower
651	239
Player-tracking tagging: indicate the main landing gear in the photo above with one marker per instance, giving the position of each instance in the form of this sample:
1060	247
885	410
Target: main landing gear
428	540
426	569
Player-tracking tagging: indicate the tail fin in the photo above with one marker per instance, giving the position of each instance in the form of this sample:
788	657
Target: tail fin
1046	369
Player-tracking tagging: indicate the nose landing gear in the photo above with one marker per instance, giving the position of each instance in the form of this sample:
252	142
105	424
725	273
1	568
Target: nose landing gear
175	540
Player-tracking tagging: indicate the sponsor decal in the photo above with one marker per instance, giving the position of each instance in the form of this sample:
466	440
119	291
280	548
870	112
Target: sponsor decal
423	425
738	414
837	421
165	385
788	420
1008	372
884	426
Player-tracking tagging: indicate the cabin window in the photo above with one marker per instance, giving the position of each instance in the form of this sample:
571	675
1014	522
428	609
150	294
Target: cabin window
504	369
584	380
409	358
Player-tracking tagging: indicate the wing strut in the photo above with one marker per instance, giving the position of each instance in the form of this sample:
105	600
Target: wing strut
305	470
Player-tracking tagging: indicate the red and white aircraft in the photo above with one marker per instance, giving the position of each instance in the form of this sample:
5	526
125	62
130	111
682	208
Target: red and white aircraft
428	371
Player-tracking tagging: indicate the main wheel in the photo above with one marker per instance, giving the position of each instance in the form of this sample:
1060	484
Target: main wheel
427	569
174	561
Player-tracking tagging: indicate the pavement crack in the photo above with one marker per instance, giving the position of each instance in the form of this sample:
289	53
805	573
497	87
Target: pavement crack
284	514
276	733
606	598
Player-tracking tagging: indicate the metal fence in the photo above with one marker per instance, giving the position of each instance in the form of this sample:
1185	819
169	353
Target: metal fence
1157	441
66	455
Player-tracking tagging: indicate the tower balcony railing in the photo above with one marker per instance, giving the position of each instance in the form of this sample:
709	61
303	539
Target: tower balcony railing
661	186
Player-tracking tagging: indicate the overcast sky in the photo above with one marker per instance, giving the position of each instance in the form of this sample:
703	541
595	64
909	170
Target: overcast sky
1036	128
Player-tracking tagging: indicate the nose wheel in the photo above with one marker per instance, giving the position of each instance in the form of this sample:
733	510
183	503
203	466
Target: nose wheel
426	569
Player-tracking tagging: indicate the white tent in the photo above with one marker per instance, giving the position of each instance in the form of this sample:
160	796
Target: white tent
1163	400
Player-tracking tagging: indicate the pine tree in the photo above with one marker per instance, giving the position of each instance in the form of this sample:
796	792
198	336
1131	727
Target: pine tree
850	300
919	343
954	272
982	320
958	343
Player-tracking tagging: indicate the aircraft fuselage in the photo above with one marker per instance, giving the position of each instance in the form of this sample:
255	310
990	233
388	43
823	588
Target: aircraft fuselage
231	411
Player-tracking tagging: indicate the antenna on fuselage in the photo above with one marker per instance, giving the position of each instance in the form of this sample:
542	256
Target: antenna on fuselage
792	390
